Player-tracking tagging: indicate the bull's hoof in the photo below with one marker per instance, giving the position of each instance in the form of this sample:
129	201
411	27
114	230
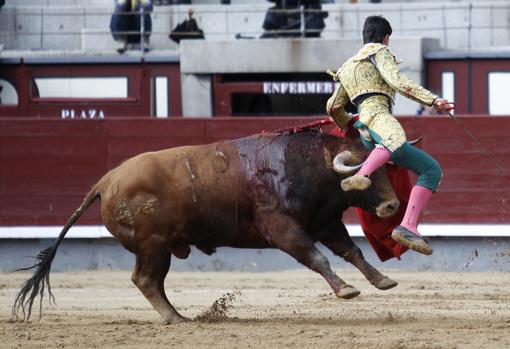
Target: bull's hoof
386	283
407	238
348	292
176	320
355	183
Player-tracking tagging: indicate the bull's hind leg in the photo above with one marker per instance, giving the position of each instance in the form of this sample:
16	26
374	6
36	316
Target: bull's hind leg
284	233
339	241
152	265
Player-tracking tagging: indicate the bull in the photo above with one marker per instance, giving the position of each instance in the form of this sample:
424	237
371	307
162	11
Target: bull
264	191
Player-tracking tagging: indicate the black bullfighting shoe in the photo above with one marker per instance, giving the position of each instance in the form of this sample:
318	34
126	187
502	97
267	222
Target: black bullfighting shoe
407	238
355	183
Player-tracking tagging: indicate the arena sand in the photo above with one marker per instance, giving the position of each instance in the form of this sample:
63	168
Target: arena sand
294	309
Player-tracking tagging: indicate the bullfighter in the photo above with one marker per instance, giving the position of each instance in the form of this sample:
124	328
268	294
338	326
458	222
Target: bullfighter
126	22
369	80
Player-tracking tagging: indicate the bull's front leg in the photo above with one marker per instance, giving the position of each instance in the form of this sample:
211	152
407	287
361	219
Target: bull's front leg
284	233
339	241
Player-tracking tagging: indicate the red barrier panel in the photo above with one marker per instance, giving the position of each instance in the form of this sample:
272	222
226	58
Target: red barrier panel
48	165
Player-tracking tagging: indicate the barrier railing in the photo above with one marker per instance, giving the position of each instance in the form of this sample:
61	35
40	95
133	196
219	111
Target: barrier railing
476	23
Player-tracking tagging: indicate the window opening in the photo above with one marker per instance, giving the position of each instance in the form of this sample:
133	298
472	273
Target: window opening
82	87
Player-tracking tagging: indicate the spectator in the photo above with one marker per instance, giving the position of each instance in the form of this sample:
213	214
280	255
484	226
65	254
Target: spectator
284	19
125	24
314	18
187	29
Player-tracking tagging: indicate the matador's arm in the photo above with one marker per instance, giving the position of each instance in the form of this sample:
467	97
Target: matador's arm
335	107
387	66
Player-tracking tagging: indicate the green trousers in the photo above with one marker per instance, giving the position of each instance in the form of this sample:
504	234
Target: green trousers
411	158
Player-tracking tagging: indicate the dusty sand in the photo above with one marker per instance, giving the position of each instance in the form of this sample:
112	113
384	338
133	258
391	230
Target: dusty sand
102	309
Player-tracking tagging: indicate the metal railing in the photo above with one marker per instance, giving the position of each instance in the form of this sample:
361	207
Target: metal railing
12	26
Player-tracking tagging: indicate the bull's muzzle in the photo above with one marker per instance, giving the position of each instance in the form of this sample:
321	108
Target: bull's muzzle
387	208
340	160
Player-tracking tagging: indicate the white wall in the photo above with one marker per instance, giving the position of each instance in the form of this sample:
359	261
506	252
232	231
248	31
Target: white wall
288	56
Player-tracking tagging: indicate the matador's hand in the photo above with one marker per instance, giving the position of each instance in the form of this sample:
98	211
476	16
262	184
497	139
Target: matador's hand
443	105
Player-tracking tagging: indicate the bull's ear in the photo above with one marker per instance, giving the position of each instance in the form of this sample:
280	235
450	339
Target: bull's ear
328	158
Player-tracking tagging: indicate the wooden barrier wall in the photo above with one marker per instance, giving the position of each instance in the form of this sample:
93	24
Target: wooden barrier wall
48	165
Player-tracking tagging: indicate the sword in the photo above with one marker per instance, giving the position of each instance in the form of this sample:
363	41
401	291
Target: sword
473	137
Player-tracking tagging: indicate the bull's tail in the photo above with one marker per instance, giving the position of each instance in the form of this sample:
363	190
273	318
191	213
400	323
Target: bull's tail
22	308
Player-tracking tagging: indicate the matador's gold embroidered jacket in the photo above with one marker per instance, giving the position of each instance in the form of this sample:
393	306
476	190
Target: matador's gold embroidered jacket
372	70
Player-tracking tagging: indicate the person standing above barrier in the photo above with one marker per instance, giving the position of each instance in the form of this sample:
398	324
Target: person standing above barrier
126	23
284	19
187	30
369	80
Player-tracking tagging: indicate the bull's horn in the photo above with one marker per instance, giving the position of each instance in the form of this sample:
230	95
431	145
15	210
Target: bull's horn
414	141
339	163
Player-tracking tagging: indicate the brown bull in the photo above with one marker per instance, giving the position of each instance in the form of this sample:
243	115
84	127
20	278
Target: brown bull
264	191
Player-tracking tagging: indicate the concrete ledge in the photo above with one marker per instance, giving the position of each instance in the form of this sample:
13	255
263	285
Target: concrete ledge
459	254
87	57
289	55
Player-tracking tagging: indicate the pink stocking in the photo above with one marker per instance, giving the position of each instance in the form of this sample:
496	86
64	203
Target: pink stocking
378	157
417	201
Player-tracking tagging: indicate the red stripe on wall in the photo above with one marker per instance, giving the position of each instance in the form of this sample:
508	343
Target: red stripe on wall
48	165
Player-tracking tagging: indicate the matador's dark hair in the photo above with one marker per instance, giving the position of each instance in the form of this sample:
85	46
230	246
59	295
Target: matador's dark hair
375	29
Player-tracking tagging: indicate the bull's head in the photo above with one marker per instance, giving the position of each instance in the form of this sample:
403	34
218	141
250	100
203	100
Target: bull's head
379	197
